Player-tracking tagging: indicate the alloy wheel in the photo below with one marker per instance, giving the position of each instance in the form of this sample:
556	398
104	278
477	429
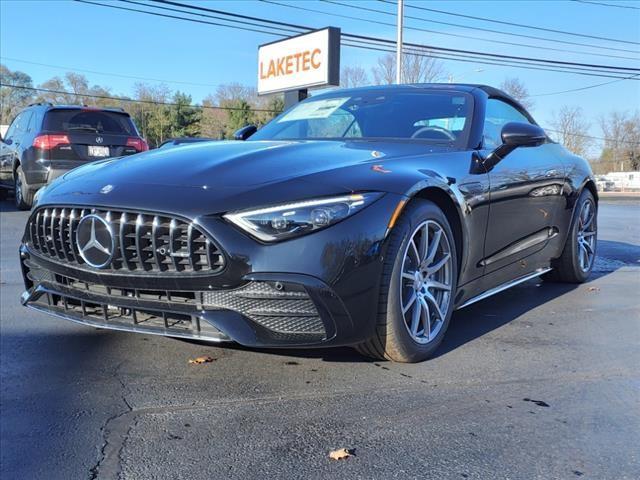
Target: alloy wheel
586	238
426	281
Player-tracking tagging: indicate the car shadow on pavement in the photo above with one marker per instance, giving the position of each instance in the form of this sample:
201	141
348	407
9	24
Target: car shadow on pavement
7	205
492	313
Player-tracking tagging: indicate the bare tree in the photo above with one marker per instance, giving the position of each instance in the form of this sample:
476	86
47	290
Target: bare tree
621	150
353	77
422	69
384	72
517	89
415	69
572	130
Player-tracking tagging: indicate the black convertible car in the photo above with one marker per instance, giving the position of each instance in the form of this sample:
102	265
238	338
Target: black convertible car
359	217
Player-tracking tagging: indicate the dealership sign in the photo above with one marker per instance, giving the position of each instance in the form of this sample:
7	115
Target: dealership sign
308	60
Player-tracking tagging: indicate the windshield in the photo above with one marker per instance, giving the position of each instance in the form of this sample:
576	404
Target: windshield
93	121
437	117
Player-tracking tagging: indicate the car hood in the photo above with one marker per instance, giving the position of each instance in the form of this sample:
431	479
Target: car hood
217	177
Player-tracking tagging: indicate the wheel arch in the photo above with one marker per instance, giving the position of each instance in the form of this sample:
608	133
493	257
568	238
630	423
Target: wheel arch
591	186
448	206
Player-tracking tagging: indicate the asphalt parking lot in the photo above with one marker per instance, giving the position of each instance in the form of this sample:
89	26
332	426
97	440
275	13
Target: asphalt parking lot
541	381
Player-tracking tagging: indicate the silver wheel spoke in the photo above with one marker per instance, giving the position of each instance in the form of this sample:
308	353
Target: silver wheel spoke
588	234
441	263
415	318
409	275
435	242
426	314
583	257
424	243
409	303
439	286
436	307
415	252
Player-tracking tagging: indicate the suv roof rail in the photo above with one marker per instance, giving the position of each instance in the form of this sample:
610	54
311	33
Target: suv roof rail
49	104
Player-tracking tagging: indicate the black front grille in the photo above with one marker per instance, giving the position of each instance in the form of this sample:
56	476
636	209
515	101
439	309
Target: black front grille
143	242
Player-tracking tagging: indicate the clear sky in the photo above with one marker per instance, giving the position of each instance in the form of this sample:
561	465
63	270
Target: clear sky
83	37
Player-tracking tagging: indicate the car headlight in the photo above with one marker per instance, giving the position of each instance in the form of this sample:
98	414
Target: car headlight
280	222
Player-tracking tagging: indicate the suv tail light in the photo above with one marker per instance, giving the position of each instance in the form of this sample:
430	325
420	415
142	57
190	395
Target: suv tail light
139	144
47	142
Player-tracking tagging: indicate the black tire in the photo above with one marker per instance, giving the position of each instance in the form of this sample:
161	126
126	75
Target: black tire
23	193
567	268
392	340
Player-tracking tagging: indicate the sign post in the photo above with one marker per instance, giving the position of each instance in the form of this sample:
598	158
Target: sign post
297	63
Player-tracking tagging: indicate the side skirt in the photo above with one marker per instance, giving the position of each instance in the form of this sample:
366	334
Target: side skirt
504	286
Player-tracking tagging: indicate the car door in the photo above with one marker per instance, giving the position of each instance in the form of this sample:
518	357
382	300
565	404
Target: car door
525	192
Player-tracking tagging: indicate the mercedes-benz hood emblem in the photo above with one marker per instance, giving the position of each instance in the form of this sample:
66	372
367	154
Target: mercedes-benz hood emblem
95	241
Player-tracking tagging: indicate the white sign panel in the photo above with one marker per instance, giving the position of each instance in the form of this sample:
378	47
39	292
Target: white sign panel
307	60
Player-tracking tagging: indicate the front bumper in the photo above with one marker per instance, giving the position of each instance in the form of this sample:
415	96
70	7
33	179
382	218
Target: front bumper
317	290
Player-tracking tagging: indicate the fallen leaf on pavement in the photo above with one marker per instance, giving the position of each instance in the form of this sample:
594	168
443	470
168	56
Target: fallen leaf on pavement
594	289
202	359
340	454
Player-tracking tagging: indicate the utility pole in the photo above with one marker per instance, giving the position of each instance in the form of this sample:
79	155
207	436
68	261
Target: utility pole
399	42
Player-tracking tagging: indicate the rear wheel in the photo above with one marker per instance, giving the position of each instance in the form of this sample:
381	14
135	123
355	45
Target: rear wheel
418	286
579	254
23	194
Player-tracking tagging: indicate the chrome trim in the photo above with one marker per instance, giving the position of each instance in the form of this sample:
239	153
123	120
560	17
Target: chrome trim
504	286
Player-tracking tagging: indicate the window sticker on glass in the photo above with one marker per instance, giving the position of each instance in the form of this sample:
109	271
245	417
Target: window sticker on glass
314	109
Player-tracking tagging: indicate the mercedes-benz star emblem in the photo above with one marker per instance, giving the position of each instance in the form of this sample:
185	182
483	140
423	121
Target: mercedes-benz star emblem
95	241
99	139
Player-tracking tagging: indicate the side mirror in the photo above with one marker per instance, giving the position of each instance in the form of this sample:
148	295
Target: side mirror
245	132
514	135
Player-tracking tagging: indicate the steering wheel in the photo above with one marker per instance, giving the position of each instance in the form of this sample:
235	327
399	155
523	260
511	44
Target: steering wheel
447	134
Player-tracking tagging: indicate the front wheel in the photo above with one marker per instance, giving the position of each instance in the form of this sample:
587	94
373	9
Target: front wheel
579	253
418	286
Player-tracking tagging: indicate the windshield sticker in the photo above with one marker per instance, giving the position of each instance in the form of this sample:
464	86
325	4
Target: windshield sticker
315	109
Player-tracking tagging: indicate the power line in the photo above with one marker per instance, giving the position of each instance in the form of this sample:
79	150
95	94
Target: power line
75	69
477	28
606	4
130	100
513	24
568	67
369	21
253	24
467	59
612	140
430	47
178	18
584	88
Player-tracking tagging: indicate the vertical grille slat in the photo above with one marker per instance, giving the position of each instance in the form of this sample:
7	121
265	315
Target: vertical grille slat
61	231
143	242
172	243
137	240
122	244
190	246
154	243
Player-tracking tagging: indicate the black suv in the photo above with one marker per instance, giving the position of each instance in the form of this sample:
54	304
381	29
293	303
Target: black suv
44	141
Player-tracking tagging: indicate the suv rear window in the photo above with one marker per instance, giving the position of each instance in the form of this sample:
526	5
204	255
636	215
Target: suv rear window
94	121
